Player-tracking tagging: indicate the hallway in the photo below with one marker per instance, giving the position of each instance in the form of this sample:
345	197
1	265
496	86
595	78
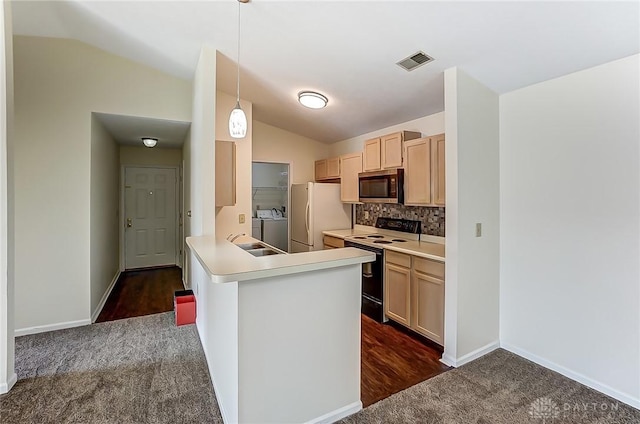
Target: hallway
142	292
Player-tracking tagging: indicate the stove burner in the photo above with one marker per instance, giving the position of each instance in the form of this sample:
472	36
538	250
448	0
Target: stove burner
376	236
399	240
382	241
359	237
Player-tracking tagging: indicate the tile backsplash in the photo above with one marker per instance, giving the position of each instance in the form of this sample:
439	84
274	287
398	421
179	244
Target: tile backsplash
432	218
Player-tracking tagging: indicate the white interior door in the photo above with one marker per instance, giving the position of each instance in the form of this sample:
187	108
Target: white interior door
150	217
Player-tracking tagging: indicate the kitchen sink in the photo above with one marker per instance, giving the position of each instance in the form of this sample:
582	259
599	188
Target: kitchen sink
251	246
265	251
258	249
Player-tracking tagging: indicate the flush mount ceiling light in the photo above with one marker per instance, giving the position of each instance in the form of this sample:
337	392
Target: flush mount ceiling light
237	119
149	142
312	100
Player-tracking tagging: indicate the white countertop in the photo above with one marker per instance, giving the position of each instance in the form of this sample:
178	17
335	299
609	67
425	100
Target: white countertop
226	262
424	249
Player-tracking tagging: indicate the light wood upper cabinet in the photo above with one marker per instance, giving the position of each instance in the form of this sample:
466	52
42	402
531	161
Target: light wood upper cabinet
386	152
327	169
425	171
333	167
350	167
371	155
321	170
391	151
438	172
417	175
225	173
414	293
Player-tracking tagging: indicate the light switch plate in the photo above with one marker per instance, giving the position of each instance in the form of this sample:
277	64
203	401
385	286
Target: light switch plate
241	218
478	229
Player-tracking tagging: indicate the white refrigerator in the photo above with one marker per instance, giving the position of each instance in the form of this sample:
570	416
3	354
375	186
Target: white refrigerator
315	207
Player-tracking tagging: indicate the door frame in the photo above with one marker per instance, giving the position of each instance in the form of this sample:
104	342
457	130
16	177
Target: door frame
122	217
289	182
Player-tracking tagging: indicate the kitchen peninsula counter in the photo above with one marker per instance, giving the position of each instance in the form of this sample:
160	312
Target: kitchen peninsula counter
281	333
225	262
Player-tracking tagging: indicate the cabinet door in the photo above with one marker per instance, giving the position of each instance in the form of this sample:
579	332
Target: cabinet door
428	306
333	167
225	173
371	155
417	176
397	293
350	166
391	150
438	172
321	170
332	242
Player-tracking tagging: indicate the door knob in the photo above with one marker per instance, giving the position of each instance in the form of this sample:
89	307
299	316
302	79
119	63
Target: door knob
129	223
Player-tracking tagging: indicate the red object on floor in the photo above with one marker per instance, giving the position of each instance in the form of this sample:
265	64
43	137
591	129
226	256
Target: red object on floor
185	308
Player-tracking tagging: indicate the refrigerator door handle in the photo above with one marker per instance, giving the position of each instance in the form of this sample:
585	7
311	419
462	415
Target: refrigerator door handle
306	218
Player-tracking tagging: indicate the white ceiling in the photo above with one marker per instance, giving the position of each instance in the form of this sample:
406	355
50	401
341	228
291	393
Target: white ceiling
348	49
129	130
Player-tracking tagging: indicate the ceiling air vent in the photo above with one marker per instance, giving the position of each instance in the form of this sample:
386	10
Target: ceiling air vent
414	61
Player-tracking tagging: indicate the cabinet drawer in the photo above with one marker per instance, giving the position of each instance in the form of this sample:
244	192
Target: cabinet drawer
333	241
398	258
429	267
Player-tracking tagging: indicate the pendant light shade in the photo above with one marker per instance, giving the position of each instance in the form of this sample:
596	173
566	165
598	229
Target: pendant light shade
237	122
237	119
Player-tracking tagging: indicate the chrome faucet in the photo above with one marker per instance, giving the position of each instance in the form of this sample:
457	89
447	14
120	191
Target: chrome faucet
235	237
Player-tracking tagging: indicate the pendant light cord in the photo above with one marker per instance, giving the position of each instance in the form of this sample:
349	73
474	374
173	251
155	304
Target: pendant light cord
238	79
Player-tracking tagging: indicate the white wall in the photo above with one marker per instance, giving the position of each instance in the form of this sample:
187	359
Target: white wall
472	174
227	217
157	156
272	144
186	206
202	146
58	83
105	201
570	277
427	125
7	371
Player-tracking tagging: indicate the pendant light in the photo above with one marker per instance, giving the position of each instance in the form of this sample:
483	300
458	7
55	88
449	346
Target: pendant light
237	119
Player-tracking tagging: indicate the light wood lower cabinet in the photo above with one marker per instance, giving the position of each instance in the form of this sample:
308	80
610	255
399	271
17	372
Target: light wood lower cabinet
331	242
414	293
397	289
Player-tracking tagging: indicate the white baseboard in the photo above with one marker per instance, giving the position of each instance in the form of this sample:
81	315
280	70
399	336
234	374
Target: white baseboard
580	378
51	327
471	356
105	296
5	387
338	414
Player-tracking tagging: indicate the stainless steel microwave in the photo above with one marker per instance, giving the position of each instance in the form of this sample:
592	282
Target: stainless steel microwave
382	186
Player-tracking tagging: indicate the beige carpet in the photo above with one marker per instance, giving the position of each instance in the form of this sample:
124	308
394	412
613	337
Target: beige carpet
499	388
146	370
137	370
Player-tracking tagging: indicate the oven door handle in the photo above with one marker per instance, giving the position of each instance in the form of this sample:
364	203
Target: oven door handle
366	270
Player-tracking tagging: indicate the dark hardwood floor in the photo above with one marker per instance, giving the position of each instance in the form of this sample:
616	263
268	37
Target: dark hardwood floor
142	292
393	360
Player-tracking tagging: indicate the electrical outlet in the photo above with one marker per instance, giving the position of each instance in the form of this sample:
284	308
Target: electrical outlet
478	229
241	218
